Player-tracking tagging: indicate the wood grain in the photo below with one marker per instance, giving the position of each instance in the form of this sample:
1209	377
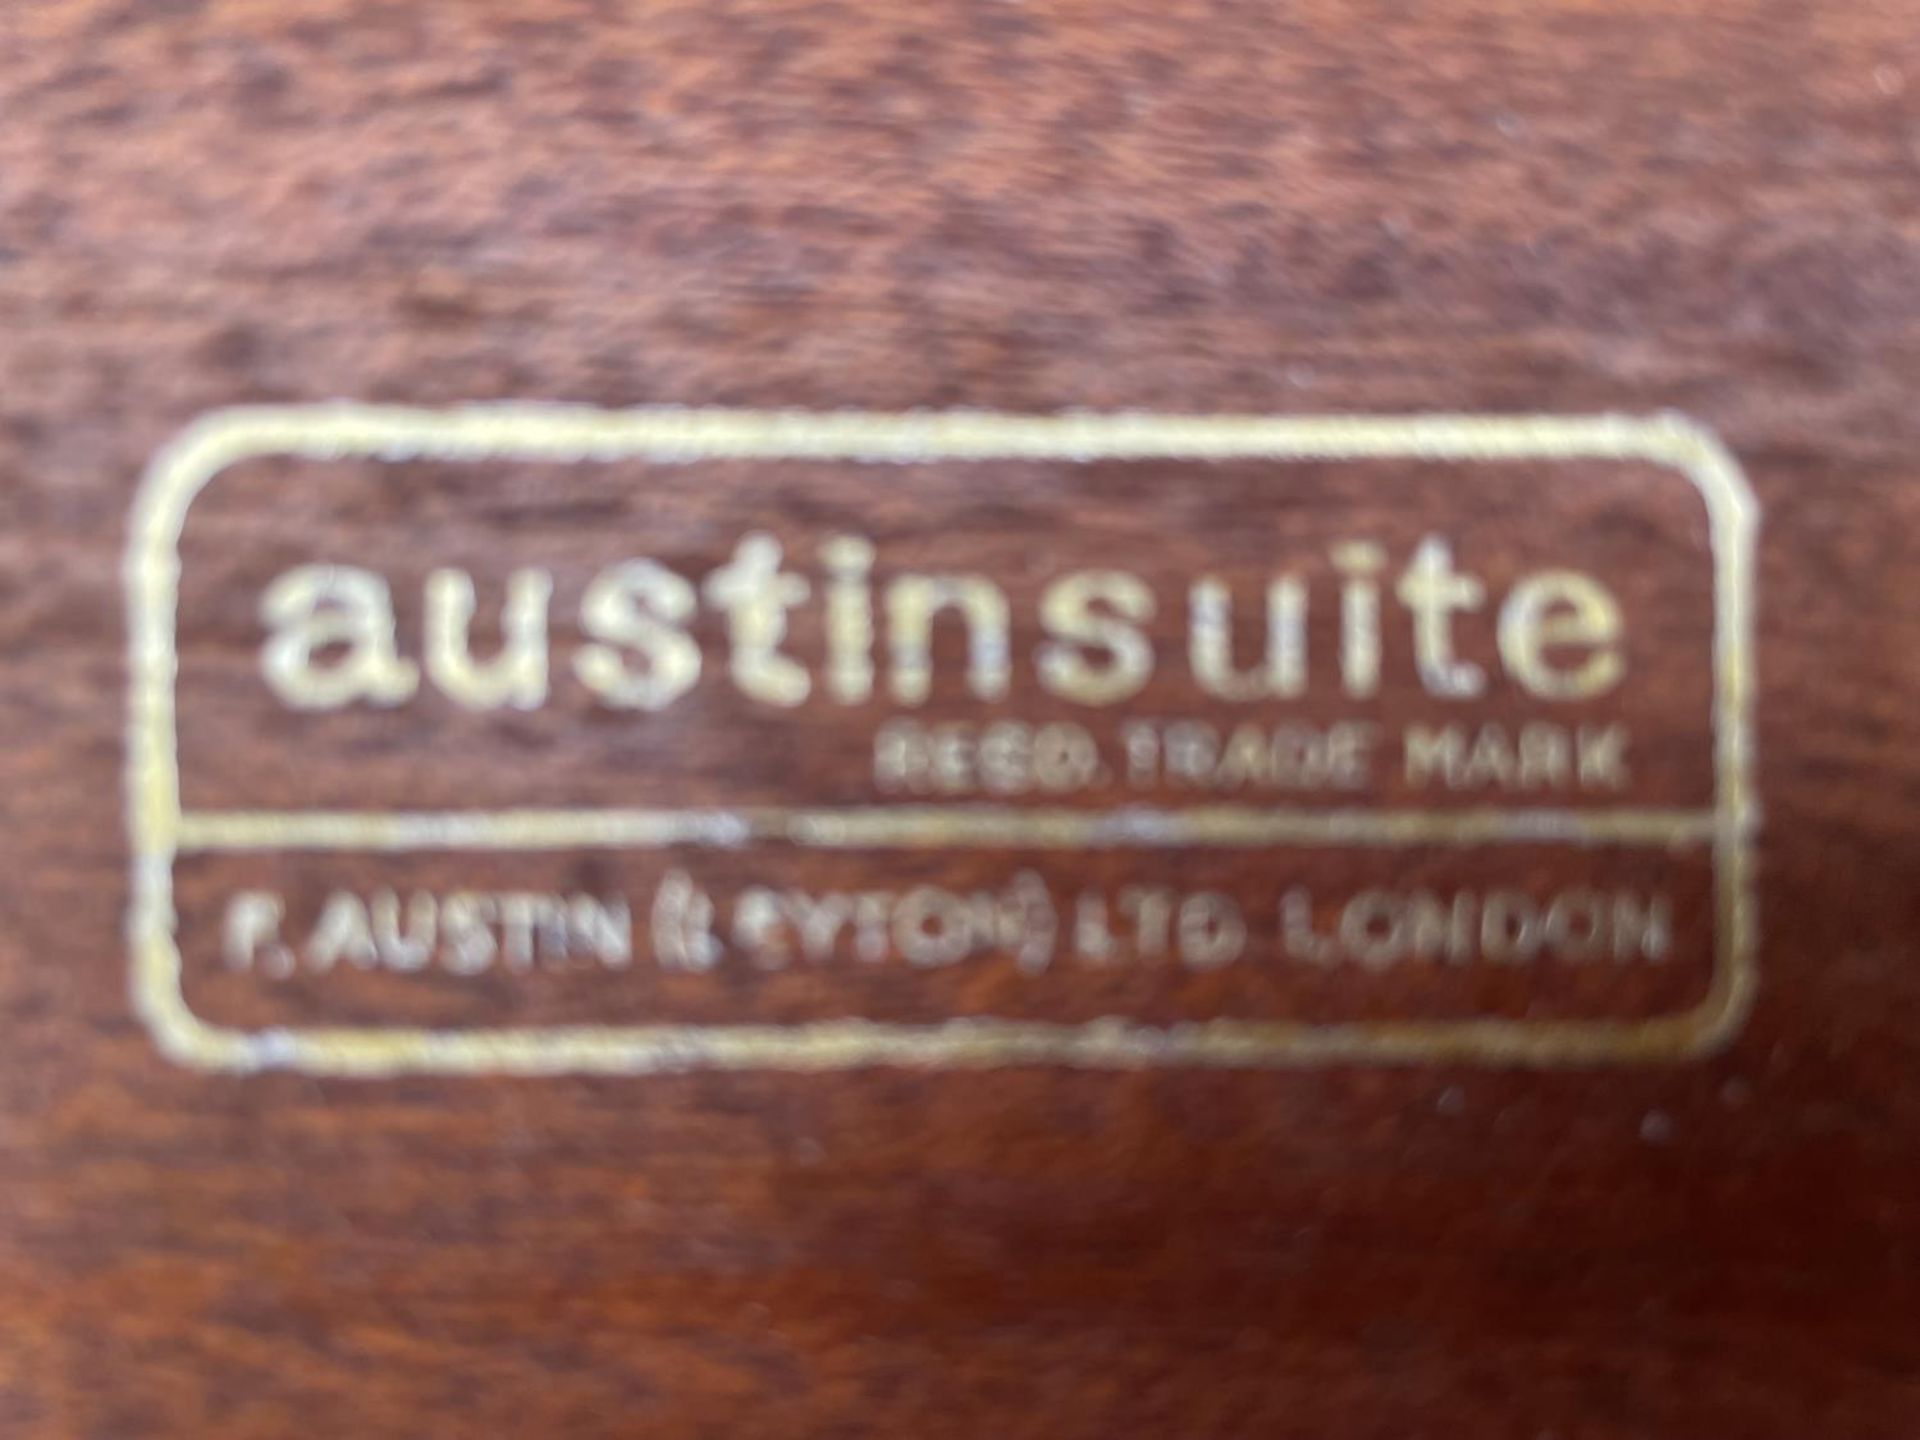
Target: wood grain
1466	206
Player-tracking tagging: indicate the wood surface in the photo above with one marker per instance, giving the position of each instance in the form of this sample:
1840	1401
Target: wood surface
1464	206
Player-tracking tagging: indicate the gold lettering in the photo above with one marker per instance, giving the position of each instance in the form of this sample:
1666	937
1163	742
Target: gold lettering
1068	611
1359	561
641	605
912	603
1561	608
518	675
757	594
1210	641
315	608
1433	591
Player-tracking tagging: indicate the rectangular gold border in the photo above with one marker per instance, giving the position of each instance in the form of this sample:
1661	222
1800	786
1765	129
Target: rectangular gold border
535	432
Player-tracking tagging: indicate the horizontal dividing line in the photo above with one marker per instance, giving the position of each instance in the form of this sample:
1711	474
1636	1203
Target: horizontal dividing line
931	827
534	430
1108	1043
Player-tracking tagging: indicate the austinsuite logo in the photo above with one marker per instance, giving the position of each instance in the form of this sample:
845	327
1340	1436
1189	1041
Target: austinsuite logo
630	740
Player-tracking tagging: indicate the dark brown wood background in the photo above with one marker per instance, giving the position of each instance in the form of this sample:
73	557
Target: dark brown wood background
1182	207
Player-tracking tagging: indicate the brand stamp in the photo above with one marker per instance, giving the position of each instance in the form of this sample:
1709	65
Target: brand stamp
531	738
